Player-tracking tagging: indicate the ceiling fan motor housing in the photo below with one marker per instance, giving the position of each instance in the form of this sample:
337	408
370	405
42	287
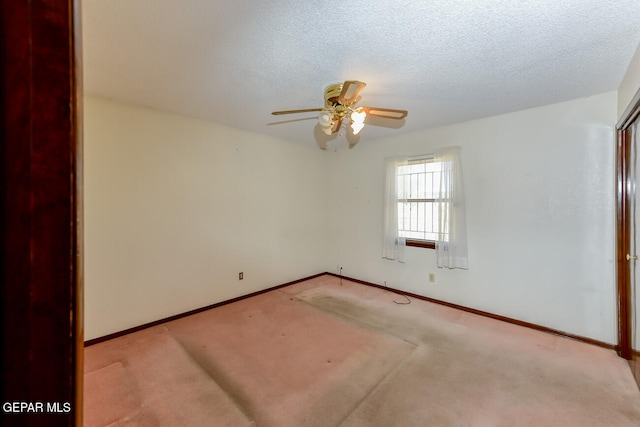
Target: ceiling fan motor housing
331	94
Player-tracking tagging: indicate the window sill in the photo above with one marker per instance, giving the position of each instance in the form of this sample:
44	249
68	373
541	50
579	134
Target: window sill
428	244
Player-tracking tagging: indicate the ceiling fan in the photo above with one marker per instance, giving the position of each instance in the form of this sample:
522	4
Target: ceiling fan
339	103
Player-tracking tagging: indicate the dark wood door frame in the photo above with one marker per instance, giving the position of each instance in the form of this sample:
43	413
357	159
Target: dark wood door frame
41	218
623	229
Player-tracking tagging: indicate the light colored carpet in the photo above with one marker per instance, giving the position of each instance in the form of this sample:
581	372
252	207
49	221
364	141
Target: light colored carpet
322	353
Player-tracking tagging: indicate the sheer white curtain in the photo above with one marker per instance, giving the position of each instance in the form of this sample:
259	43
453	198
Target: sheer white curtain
392	244
451	242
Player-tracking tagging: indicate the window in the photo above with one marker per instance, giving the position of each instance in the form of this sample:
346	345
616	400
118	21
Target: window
418	196
424	206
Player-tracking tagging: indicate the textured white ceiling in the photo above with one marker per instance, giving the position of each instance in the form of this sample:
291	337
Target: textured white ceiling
445	61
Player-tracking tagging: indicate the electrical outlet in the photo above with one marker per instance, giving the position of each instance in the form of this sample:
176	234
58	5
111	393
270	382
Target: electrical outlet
240	275
432	278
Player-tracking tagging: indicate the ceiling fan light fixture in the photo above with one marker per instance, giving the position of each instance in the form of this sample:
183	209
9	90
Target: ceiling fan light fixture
325	119
357	120
327	129
358	116
357	127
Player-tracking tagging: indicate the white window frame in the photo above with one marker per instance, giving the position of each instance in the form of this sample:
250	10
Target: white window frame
418	199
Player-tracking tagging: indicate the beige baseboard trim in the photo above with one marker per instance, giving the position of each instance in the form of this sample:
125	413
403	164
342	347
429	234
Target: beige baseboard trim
486	314
362	282
188	313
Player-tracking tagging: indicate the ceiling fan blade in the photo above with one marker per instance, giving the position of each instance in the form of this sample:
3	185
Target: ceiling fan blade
306	110
386	113
350	91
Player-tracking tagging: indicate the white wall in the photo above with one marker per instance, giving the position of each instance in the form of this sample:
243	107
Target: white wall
176	207
630	83
540	200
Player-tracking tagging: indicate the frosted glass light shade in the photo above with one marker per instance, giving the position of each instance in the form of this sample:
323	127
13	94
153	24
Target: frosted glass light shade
357	120
358	116
324	119
357	127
